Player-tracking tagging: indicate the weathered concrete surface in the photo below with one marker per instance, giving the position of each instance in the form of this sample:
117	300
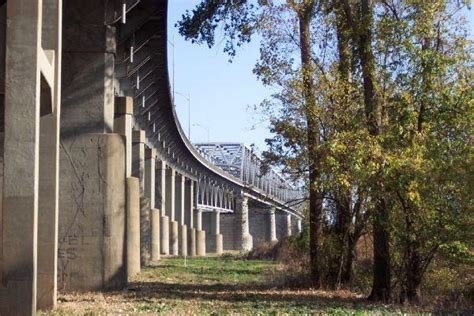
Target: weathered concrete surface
123	121
155	238
49	165
145	231
183	240
189	204
170	210
289	227
21	156
227	225
192	242
133	227
180	199
174	240
150	156
165	235
272	220
138	158
242	230
201	243
88	79
92	220
259	225
219	244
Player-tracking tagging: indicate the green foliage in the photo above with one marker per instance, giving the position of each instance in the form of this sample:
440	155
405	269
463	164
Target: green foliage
420	160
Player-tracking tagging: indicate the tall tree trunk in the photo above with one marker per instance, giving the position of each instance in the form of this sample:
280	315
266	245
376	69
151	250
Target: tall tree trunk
411	290
381	287
362	39
315	200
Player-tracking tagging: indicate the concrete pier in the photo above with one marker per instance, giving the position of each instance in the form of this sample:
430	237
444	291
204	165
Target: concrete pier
200	243
289	227
123	121
243	238
133	227
138	158
150	156
183	240
171	210
165	235
145	231
174	240
219	241
192	242
156	236
272	221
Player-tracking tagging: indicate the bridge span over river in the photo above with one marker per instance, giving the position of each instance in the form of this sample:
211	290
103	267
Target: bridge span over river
98	178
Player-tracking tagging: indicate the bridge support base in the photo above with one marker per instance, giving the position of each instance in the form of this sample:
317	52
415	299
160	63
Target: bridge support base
145	231
165	235
247	243
155	236
133	227
174	244
183	240
201	243
219	244
92	235
192	242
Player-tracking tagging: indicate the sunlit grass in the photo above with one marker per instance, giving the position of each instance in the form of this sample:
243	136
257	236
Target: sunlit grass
216	286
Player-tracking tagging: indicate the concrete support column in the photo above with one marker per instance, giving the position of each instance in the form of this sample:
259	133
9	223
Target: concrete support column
156	236
180	214
288	225
22	269
161	192
92	240
133	227
49	163
244	241
138	158
200	235
123	126
189	218
171	210
273	235
165	234
199	219
150	157
183	240
138	171
299	226
216	222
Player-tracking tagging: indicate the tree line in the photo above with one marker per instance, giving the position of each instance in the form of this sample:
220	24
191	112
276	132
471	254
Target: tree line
374	113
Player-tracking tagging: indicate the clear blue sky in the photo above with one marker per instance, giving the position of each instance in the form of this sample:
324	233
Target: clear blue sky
222	93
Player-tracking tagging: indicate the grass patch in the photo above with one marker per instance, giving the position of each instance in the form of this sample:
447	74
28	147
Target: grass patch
216	286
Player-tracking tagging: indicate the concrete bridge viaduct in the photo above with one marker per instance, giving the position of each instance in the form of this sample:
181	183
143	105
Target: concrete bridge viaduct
97	176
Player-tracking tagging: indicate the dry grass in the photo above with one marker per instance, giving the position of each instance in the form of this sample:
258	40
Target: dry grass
216	286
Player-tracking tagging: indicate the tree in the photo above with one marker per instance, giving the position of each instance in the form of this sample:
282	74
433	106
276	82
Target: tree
374	111
200	26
